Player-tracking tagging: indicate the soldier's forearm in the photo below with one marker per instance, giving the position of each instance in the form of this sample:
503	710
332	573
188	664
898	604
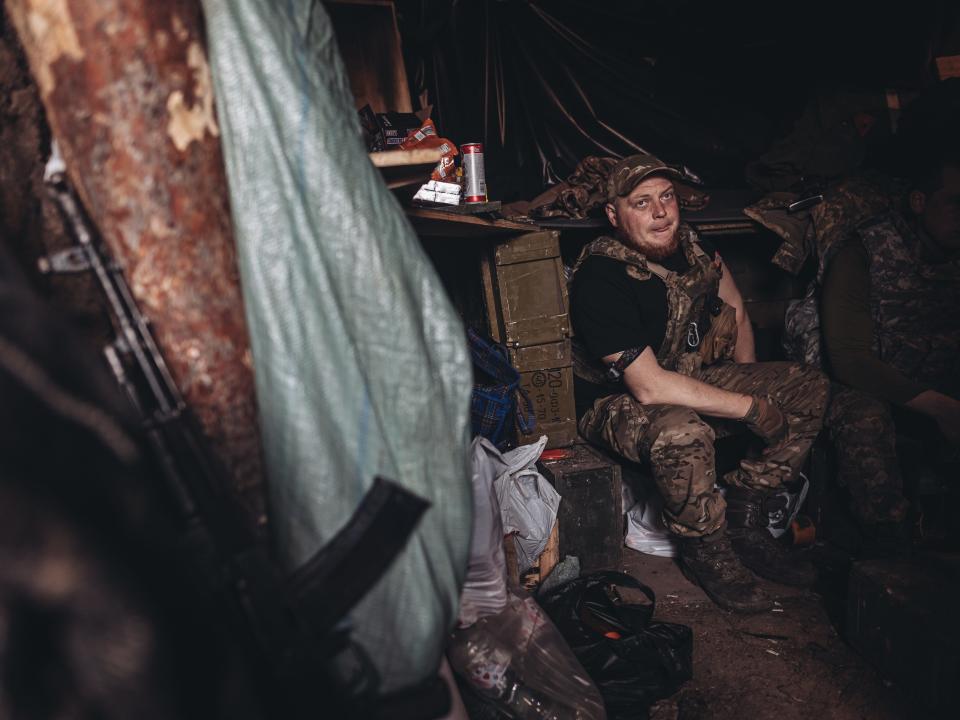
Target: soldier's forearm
652	385
676	389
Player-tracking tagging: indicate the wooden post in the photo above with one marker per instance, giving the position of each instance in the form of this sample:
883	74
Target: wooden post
551	553
510	558
128	96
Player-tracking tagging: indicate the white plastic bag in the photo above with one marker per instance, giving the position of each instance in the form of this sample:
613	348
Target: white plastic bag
485	589
528	503
647	533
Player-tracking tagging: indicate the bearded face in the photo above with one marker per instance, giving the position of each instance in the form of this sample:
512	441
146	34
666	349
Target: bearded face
647	219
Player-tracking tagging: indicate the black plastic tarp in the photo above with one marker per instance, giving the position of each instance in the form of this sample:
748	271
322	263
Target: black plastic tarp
544	83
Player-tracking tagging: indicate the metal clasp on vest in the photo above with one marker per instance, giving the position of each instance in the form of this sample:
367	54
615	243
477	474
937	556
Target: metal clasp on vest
693	336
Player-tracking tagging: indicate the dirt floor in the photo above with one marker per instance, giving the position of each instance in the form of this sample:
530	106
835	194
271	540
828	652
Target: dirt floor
787	664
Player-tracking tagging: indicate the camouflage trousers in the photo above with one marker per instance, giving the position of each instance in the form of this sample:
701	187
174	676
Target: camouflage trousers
864	438
678	443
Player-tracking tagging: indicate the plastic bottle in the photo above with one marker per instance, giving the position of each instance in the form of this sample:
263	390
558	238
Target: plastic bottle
524	703
487	665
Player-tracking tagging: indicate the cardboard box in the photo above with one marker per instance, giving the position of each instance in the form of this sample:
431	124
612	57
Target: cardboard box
395	126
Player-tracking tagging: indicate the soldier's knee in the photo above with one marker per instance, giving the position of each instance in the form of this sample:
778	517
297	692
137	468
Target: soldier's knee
680	430
853	411
860	405
813	387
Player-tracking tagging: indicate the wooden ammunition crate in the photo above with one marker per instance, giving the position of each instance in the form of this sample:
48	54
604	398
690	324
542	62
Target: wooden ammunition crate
546	374
526	291
590	518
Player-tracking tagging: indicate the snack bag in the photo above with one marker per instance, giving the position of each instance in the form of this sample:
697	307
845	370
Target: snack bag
426	137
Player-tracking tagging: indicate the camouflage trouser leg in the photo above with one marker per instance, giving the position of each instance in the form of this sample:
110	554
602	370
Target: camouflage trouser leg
679	447
800	391
865	440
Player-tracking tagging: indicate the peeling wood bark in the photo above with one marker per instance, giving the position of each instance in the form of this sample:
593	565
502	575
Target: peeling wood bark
128	96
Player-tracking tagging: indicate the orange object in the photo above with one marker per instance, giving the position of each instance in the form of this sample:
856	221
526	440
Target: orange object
613	635
558	454
803	530
426	137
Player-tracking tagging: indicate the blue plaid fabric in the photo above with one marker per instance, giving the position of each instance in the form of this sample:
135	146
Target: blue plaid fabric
496	388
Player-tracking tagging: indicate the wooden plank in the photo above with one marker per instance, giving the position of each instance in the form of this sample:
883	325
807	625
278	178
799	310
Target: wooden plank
726	228
551	553
369	42
510	558
416	156
490	295
532	246
437	223
406	168
472	208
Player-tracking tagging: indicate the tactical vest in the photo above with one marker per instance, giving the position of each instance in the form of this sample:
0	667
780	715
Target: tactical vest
686	343
915	305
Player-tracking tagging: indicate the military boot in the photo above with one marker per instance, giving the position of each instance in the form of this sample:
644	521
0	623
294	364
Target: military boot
748	519
710	562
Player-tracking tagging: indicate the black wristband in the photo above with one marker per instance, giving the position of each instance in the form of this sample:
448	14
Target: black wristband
616	368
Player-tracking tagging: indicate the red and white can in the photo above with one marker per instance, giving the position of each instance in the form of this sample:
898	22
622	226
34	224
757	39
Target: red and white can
474	179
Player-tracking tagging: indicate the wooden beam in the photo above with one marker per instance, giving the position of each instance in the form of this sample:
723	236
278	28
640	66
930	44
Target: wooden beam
416	156
443	224
128	96
551	553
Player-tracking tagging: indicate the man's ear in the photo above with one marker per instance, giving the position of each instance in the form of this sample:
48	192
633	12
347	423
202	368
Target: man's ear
611	214
917	201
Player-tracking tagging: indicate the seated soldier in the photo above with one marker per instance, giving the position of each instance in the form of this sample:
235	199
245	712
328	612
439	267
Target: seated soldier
890	318
655	382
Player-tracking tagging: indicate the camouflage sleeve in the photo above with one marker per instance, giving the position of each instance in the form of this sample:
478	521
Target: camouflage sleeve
847	326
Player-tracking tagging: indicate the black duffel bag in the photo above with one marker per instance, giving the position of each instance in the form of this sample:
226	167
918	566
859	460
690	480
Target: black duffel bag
633	661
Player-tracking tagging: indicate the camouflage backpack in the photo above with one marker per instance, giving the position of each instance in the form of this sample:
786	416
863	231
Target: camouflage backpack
844	207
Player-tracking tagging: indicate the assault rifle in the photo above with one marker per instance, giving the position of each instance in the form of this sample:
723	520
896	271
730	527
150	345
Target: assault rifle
292	626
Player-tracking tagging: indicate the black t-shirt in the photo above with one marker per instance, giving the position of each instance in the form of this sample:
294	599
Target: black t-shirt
612	311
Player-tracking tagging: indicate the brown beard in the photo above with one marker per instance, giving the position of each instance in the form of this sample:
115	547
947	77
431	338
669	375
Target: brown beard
651	252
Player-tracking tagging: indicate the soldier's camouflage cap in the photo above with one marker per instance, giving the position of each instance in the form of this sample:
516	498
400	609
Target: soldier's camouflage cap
629	172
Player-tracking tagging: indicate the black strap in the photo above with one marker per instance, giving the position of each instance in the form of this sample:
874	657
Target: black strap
595	600
630	615
324	588
616	369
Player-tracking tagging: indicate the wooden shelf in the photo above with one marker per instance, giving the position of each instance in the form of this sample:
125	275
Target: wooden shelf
437	223
400	158
402	168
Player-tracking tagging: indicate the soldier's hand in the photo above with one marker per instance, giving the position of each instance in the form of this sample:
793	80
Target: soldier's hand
766	420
